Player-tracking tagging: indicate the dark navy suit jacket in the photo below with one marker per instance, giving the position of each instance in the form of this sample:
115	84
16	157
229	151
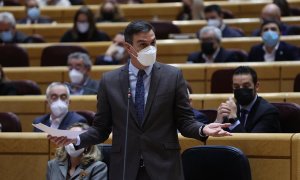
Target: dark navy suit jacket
200	117
223	56
70	118
284	52
262	118
40	20
230	32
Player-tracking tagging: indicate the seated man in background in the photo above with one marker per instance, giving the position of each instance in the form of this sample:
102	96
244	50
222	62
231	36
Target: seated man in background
272	49
214	16
272	12
33	14
211	51
250	113
115	54
58	99
8	32
80	65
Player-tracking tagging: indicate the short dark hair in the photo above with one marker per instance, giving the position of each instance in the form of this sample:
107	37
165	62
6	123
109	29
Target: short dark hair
245	70
136	27
269	21
213	8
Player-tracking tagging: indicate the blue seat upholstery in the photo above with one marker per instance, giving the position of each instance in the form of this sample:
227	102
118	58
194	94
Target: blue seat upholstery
215	163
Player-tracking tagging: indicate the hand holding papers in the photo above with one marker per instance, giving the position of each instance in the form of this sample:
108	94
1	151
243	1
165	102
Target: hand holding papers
58	132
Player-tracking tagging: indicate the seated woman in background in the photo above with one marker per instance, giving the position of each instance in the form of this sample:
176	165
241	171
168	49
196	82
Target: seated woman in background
191	10
84	28
77	164
6	88
110	12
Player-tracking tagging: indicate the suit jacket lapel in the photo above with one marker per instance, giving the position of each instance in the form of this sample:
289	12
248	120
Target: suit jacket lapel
155	77
63	167
124	81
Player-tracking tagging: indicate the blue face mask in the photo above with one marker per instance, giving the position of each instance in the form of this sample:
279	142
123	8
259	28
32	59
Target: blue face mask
33	13
270	38
6	36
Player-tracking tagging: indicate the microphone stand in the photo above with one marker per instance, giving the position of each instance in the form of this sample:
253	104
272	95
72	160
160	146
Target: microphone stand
126	135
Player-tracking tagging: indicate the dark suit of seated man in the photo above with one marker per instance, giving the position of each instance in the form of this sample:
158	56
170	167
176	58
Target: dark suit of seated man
58	100
34	14
272	49
251	113
211	50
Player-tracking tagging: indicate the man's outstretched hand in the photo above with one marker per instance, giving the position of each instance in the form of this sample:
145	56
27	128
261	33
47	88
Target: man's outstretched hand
216	129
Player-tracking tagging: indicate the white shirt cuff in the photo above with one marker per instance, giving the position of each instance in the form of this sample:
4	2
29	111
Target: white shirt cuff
78	141
232	126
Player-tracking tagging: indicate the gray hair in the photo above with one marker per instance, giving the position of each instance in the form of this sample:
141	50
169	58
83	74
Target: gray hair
217	32
79	55
8	18
55	84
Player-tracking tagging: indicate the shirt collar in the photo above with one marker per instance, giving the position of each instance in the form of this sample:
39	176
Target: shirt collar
135	70
275	49
59	119
207	60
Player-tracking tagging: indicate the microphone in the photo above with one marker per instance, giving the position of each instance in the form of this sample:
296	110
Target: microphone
81	86
126	134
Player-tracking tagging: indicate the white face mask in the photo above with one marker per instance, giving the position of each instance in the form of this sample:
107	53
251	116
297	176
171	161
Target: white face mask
72	152
214	22
147	56
83	27
76	76
59	108
119	52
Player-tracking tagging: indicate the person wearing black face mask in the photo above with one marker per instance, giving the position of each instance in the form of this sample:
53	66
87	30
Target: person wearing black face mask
110	12
211	50
250	113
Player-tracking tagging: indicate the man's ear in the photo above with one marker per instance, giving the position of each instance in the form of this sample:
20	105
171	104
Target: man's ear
257	86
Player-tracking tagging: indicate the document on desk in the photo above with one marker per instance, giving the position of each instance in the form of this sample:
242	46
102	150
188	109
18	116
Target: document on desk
58	132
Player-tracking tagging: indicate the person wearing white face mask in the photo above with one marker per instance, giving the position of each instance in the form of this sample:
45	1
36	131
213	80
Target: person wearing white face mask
115	54
84	28
153	96
34	14
80	65
8	31
214	16
272	49
58	99
83	163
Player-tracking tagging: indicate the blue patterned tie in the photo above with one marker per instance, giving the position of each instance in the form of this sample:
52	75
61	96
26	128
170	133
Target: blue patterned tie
244	112
140	96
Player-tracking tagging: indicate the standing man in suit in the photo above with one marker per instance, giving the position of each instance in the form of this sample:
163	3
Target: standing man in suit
34	14
210	38
272	49
158	106
58	99
214	17
80	66
250	113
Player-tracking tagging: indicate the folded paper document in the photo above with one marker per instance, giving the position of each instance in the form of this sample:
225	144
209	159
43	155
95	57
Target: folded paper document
58	132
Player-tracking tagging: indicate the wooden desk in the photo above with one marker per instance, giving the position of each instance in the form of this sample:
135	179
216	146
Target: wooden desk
273	77
271	156
46	30
169	51
30	107
148	11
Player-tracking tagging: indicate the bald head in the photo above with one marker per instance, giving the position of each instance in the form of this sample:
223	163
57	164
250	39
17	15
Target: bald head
271	12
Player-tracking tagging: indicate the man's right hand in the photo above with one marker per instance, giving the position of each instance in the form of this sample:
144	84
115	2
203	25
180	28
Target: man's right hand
61	141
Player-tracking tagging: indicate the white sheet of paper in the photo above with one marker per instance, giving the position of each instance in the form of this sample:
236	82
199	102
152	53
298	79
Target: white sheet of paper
58	132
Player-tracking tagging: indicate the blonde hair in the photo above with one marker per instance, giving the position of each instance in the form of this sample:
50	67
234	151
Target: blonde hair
90	154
